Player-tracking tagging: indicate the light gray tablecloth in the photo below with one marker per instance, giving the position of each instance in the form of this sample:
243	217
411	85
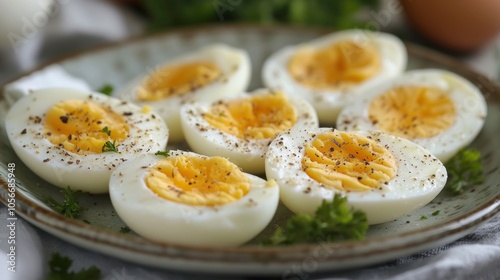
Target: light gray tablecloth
476	256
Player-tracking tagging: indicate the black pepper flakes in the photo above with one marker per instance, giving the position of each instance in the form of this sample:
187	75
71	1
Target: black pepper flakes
64	119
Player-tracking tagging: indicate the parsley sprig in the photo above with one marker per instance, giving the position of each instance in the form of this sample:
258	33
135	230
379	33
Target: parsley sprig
162	153
106	130
465	170
106	89
124	230
333	221
70	207
109	147
59	270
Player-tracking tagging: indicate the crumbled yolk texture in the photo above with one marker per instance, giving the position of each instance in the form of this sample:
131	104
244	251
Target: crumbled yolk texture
261	116
338	66
179	79
146	109
79	126
195	180
413	112
348	162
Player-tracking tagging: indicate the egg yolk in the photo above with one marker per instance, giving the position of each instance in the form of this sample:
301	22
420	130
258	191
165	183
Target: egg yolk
338	66
259	117
348	162
83	127
195	180
179	79
413	112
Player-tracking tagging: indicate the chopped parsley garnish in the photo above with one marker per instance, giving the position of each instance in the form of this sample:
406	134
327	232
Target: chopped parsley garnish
465	170
59	270
435	213
333	221
106	130
106	89
109	147
124	230
162	153
70	207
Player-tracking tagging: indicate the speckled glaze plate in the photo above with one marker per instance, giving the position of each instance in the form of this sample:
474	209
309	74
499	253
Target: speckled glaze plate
116	64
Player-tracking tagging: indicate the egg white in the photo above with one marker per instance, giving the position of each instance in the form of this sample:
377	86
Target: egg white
248	154
90	173
470	106
329	103
167	221
234	64
419	179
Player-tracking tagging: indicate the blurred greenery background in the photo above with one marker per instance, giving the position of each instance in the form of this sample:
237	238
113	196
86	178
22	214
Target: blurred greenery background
338	14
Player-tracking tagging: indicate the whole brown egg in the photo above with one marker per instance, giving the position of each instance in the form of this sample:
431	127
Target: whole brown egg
458	25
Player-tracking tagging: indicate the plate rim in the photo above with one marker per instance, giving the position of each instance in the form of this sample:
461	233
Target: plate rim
453	227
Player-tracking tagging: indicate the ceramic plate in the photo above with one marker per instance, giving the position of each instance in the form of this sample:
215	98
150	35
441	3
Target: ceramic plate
116	64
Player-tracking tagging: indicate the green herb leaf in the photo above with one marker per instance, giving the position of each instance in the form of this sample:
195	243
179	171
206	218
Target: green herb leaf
124	230
337	14
109	147
162	153
106	130
59	270
70	207
106	89
423	218
435	213
465	170
333	221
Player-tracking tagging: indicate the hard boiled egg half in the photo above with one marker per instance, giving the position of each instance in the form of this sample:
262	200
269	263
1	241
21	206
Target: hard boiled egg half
331	71
191	199
207	74
241	127
436	109
75	138
384	175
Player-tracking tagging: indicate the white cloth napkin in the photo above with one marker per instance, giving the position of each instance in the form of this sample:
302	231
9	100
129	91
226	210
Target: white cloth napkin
78	24
475	257
72	25
50	76
27	259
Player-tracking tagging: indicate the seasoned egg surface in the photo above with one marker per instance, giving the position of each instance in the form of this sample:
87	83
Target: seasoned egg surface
331	71
207	74
75	138
191	199
384	175
436	109
241	127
